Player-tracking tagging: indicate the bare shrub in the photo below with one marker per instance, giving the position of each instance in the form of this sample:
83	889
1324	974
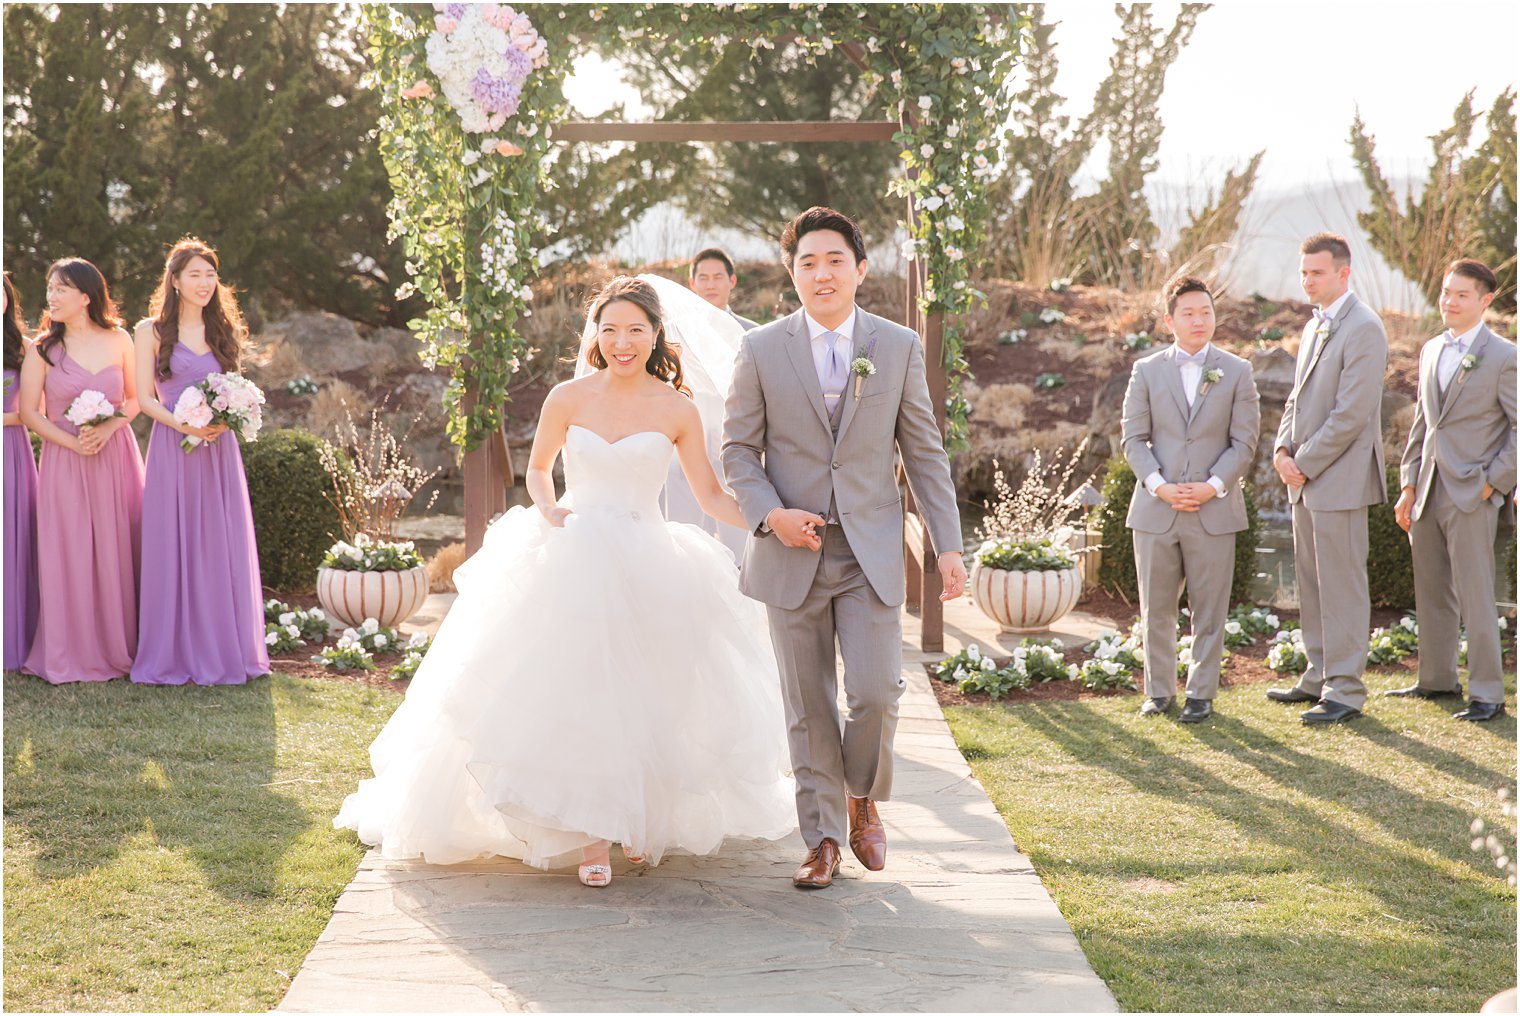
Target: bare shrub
441	566
1002	405
274	363
330	407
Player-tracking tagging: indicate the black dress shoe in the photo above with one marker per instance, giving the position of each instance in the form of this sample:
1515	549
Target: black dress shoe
1329	712
1480	711
1157	706
1196	711
1415	691
1290	695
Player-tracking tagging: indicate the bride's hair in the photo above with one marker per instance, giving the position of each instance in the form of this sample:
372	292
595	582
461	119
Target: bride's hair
664	359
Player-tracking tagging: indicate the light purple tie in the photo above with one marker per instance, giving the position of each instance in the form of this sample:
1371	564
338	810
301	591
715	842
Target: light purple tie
835	377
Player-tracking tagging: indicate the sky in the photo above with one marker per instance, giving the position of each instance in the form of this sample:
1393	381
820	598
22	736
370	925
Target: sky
1284	75
1287	76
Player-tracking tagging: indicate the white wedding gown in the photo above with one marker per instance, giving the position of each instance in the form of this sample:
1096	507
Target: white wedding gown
601	681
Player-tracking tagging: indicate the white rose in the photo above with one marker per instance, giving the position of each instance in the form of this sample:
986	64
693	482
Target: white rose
1232	627
925	103
271	638
955	223
381	642
926	150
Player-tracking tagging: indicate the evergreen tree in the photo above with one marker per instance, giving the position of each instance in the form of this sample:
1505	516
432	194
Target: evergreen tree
129	125
1465	209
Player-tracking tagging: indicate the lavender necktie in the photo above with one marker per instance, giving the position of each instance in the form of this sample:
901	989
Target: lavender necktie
835	377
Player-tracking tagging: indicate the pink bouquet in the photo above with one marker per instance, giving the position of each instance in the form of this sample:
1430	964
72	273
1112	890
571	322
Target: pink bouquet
89	409
228	399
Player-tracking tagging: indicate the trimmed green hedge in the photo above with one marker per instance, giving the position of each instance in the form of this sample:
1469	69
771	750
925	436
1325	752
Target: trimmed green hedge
1116	571
293	519
1390	565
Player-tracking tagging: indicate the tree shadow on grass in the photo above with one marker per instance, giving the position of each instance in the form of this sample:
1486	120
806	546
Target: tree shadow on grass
1320	844
91	767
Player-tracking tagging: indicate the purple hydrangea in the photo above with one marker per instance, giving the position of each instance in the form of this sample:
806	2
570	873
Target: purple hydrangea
455	11
496	95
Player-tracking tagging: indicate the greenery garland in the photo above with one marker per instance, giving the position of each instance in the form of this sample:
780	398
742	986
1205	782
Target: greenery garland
466	185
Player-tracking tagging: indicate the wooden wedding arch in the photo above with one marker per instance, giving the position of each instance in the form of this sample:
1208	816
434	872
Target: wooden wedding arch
488	472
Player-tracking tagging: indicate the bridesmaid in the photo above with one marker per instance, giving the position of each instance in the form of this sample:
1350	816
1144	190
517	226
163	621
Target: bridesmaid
201	619
20	501
89	494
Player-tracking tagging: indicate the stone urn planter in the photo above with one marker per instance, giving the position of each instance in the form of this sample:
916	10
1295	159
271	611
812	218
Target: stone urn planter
1030	599
389	597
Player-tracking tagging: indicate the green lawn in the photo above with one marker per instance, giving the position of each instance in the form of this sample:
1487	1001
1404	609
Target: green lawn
1251	863
172	848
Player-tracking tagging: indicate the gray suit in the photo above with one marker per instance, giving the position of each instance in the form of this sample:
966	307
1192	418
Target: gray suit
1332	427
780	450
1215	437
1460	440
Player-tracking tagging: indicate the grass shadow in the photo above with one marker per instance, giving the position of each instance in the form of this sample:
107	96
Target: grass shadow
90	769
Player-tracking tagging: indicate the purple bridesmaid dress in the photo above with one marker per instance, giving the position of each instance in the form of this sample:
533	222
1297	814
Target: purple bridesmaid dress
20	535
88	511
201	616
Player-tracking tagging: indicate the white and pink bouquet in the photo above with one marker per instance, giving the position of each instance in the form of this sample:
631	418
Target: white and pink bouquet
228	399
483	54
90	409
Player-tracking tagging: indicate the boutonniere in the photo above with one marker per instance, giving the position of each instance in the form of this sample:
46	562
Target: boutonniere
1211	377
863	367
1470	362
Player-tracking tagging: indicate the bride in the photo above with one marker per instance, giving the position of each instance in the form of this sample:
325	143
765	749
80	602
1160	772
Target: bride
600	677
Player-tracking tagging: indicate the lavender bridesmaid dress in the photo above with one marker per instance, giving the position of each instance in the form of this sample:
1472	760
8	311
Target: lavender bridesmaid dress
88	511
201	618
20	535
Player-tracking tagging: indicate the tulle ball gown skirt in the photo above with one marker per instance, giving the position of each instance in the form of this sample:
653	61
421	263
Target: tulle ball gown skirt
601	681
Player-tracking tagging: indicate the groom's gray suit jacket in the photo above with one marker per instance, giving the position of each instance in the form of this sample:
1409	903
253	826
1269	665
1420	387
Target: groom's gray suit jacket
779	451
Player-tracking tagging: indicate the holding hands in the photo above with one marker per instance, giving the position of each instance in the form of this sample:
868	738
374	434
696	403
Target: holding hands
796	528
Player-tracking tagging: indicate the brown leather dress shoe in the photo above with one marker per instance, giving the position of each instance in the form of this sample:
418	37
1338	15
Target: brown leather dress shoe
817	872
868	838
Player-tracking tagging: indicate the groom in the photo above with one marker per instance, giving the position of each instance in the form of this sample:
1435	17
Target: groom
822	403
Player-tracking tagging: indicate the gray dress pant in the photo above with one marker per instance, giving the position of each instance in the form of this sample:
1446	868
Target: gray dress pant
1187	554
1330	558
830	760
1454	585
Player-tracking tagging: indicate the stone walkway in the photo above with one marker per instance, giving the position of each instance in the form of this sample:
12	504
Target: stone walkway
957	921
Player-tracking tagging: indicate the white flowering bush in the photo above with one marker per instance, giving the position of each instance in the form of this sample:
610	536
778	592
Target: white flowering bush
1052	316
282	638
1033	660
1287	655
1013	336
416	648
302	385
1117	660
1185	653
1392	644
1137	341
311	624
1060	285
368	554
347	654
374	637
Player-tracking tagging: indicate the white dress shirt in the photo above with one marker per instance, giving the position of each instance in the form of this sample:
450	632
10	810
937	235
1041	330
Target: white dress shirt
1453	348
845	344
1192	369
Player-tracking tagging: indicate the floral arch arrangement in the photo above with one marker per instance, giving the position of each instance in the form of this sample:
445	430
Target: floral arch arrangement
471	93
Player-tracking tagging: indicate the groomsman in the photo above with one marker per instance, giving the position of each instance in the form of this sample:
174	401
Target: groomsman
1329	451
713	279
1457	469
1191	420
